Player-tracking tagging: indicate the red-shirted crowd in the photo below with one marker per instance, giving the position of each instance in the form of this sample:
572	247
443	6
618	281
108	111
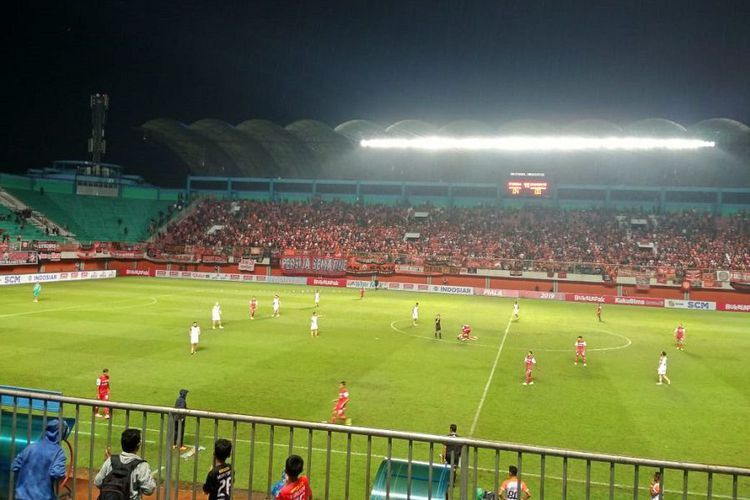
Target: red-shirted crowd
469	237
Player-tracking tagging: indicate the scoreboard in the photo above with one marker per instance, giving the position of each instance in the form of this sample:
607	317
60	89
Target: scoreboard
527	184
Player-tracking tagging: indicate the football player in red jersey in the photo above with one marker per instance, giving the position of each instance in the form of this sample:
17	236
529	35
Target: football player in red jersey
253	307
338	414
102	392
529	363
466	334
580	350
679	337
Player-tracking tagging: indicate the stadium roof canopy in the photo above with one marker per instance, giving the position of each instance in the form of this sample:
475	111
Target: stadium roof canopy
310	148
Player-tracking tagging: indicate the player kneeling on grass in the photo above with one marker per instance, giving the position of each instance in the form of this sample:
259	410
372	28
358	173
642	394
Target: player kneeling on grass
465	334
338	415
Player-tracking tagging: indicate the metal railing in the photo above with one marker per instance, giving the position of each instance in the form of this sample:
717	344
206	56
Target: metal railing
341	461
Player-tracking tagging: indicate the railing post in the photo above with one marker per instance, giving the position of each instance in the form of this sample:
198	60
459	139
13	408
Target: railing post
167	446
464	472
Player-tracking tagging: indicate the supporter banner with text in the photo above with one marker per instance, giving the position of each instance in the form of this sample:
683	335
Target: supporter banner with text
214	259
183	257
306	265
127	254
740	281
408	269
246	265
47	246
18	258
51	256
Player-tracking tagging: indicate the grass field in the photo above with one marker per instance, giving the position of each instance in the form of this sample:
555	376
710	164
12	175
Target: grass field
399	377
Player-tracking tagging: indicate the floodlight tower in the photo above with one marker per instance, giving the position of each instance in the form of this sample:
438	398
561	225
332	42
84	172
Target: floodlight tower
97	144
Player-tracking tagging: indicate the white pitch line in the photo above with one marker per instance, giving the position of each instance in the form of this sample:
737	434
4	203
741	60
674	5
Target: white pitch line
483	469
627	344
153	301
489	379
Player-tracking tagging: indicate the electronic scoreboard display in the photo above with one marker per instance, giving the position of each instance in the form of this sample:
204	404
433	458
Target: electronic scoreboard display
527	184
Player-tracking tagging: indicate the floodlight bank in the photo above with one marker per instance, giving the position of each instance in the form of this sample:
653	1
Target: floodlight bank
531	143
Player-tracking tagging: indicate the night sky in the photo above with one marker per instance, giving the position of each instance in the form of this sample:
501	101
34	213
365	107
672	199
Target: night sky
553	60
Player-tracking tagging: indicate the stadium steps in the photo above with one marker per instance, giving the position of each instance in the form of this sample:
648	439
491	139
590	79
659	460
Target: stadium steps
94	218
34	227
188	209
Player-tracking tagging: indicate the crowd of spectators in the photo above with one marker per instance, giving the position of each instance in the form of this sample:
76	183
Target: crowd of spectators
468	237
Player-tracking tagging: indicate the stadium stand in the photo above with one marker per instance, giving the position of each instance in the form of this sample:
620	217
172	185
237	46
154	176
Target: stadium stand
15	225
469	237
93	218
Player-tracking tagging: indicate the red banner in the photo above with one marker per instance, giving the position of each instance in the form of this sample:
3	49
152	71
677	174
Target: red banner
725	306
306	265
583	297
18	258
49	246
127	254
409	269
214	259
51	256
182	257
326	282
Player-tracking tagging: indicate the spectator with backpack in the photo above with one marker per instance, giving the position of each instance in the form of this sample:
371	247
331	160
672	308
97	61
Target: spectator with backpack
125	476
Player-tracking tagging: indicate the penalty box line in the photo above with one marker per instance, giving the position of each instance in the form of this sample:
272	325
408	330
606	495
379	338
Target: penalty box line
489	379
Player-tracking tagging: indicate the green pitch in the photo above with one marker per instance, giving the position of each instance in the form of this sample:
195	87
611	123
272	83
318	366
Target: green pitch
399	377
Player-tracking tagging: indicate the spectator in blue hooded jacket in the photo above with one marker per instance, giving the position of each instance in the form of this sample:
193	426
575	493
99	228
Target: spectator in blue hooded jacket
41	465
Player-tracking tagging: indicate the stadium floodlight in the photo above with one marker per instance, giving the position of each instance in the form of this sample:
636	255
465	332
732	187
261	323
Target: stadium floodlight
537	143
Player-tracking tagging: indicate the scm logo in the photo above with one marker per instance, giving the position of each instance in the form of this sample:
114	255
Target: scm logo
699	304
12	279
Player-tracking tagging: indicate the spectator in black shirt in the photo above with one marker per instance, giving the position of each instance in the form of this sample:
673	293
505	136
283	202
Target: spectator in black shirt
218	485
